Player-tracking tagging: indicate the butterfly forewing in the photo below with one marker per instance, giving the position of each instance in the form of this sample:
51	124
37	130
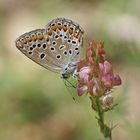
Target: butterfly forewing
55	47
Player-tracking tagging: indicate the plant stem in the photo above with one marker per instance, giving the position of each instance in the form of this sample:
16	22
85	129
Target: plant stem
105	129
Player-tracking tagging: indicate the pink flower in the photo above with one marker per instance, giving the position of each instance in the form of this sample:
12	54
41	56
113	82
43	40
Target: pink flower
96	73
84	74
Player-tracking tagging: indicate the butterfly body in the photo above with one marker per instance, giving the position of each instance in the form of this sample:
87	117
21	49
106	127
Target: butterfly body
55	47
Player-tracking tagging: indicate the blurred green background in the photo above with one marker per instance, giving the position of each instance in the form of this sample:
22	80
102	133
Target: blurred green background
34	102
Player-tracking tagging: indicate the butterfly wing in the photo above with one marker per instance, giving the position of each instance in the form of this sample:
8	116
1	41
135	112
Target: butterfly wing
54	47
68	39
35	46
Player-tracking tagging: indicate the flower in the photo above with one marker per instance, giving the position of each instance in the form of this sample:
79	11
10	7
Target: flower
95	72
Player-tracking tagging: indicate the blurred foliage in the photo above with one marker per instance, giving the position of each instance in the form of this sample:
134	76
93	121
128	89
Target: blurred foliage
35	104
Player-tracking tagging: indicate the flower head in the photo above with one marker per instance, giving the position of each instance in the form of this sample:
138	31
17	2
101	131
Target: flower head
95	72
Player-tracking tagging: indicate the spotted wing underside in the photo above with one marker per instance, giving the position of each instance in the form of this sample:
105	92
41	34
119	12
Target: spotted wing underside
53	47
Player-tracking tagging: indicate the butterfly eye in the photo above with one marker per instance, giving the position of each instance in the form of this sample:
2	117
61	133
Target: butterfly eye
66	69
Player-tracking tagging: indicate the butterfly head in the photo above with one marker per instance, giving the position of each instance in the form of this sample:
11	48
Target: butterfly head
69	70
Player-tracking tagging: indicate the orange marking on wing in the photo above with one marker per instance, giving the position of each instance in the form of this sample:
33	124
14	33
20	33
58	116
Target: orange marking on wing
79	37
65	28
59	27
33	38
54	27
50	33
70	31
29	40
47	39
40	36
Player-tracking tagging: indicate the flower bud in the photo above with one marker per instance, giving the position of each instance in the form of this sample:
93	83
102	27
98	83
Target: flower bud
81	90
117	80
107	101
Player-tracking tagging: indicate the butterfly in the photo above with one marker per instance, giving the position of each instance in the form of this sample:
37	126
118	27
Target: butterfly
56	47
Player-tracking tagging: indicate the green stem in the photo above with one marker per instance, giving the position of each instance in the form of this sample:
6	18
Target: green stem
100	113
105	129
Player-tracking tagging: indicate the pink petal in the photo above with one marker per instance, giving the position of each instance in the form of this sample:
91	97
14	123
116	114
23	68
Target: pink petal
81	90
84	74
101	68
117	80
107	67
85	70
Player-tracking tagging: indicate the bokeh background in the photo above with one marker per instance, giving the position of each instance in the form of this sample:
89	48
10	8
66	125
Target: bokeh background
34	102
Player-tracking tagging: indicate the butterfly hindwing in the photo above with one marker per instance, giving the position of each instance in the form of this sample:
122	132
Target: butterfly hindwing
34	45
